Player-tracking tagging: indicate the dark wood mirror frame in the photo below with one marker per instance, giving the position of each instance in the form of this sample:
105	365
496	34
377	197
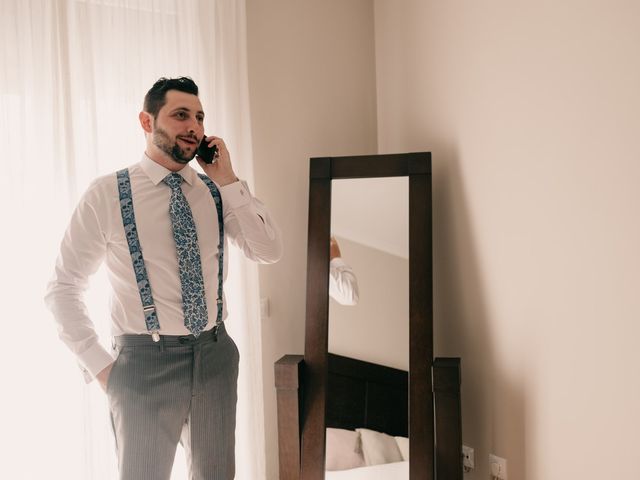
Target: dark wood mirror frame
302	381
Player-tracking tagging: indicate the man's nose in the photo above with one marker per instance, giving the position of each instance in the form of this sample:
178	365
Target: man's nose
193	126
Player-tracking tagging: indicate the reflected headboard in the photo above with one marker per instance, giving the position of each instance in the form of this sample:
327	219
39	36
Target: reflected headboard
366	395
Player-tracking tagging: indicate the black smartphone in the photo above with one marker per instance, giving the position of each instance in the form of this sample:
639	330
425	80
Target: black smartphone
207	154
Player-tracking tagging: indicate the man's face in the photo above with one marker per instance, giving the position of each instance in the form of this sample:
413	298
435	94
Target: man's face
179	126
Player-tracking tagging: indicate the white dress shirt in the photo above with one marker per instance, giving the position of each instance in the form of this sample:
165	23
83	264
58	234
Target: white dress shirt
96	234
343	284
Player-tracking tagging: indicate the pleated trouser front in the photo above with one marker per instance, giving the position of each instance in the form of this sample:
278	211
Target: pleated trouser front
180	389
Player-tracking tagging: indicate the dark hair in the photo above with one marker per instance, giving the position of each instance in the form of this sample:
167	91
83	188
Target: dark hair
156	97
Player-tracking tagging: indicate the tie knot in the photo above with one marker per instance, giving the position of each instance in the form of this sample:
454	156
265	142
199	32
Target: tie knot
174	180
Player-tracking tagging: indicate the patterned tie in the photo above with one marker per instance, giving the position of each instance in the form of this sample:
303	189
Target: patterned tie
184	233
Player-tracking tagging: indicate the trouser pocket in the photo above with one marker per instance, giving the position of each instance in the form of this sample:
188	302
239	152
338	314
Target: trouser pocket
121	354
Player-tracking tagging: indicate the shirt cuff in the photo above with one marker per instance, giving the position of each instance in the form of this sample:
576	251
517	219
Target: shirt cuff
236	194
337	262
93	361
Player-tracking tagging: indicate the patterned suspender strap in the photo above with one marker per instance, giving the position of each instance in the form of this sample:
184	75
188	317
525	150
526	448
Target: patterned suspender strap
218	201
130	230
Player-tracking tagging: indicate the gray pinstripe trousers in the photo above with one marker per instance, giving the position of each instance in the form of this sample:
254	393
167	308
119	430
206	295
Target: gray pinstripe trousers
180	389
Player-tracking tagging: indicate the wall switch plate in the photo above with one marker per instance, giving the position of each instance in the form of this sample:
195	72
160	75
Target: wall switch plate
265	308
468	461
498	467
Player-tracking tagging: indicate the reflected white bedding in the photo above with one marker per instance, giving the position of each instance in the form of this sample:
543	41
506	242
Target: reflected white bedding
387	471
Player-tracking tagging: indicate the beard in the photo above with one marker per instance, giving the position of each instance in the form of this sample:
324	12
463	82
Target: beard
162	140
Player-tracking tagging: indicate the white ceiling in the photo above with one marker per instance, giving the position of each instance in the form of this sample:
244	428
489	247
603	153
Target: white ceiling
373	212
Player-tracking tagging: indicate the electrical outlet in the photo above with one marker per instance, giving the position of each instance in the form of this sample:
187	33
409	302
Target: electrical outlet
468	461
498	467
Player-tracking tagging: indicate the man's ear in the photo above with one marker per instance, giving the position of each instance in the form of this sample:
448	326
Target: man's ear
146	121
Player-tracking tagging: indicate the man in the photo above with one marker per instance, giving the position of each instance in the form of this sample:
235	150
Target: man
162	231
343	284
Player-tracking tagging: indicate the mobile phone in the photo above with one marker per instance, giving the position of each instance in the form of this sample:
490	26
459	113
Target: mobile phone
207	154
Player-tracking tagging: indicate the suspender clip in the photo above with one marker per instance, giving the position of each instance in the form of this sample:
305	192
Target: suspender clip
155	335
215	333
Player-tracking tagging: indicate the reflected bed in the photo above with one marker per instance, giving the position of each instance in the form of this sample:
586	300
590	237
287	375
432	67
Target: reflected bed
387	471
366	395
366	411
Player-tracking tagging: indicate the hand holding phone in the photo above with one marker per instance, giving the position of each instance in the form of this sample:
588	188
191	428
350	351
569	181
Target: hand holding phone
207	153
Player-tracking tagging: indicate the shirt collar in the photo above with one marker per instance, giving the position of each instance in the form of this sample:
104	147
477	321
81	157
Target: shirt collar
157	172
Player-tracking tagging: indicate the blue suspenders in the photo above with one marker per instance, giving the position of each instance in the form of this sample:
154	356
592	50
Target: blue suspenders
142	279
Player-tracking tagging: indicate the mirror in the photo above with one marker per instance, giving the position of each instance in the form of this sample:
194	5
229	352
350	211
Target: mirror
384	394
373	238
368	316
323	389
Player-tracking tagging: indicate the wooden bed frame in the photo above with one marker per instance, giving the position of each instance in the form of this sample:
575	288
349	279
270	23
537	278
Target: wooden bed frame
365	395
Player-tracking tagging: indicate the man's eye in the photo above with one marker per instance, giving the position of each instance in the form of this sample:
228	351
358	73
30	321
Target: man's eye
181	115
200	119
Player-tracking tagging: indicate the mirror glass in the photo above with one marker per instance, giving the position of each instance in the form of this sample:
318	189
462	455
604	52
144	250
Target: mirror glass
369	321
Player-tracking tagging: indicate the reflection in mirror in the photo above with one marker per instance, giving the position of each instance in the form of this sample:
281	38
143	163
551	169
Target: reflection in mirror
368	330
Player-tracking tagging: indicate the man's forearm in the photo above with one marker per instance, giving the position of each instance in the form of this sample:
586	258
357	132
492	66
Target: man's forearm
74	326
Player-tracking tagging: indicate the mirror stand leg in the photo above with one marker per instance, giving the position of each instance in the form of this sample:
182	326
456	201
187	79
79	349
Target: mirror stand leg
448	418
288	380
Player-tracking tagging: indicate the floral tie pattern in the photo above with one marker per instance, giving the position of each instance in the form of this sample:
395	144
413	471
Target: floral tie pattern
189	264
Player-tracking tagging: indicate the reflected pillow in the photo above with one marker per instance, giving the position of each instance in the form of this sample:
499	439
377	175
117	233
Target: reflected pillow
379	447
403	445
344	450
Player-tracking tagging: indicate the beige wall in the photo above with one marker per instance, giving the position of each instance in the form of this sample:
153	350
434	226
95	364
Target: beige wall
312	93
377	328
532	112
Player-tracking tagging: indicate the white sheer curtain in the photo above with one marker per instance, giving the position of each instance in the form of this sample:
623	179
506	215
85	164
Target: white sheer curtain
73	75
